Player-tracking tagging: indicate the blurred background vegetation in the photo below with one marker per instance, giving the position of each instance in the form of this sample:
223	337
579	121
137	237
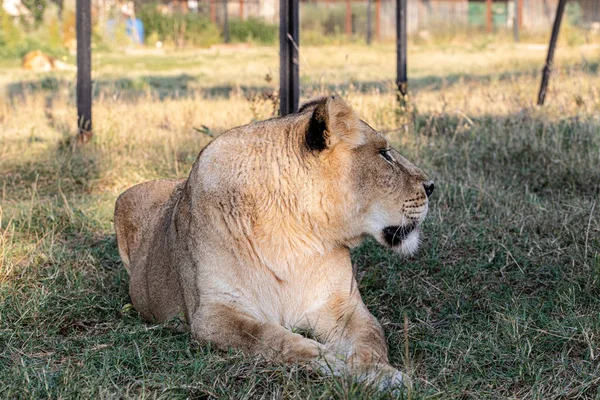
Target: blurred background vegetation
49	26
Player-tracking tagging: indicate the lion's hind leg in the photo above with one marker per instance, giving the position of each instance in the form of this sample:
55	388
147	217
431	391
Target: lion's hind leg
137	213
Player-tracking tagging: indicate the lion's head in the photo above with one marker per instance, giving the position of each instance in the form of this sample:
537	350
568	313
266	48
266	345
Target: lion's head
389	194
312	181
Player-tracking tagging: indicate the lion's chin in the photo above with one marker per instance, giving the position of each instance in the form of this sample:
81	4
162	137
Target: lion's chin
409	245
403	240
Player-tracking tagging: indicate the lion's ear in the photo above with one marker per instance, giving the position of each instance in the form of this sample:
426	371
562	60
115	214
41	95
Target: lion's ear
332	122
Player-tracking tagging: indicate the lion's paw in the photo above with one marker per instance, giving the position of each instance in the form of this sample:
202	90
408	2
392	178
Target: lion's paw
395	381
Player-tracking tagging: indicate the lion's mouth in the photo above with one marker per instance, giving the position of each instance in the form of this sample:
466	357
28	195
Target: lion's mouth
394	235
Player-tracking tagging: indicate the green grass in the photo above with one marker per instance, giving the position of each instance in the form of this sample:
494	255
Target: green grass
502	300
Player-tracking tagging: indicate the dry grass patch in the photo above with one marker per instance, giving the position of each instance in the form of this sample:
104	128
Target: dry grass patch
502	300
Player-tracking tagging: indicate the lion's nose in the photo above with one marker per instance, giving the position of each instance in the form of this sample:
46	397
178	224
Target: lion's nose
428	187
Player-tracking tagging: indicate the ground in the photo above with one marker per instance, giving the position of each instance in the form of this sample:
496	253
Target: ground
502	300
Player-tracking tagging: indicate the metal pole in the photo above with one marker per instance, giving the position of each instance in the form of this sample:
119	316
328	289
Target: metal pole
348	18
401	78
84	68
213	11
378	19
516	21
488	16
226	22
289	83
369	22
548	67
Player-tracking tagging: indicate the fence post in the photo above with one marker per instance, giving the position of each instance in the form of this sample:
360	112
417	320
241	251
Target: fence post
369	22
348	18
401	78
226	21
289	83
488	16
242	10
378	19
516	20
548	66
84	68
213	11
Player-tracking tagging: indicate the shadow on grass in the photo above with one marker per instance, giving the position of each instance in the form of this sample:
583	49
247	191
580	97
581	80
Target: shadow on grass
494	256
185	85
72	250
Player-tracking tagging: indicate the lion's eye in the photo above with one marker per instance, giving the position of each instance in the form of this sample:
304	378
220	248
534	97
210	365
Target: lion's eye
386	155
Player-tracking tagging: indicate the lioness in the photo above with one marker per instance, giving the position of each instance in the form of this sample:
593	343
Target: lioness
36	60
255	242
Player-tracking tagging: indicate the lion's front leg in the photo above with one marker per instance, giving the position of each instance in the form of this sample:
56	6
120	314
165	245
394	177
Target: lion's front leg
346	326
227	327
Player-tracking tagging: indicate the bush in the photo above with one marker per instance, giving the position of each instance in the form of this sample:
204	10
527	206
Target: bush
10	35
37	8
252	30
180	29
200	31
327	25
16	41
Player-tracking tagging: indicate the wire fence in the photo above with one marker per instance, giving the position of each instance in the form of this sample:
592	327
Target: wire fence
368	20
423	14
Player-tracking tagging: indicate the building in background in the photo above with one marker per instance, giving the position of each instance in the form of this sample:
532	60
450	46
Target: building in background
536	15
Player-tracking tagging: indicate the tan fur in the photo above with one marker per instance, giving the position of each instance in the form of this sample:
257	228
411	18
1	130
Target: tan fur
255	243
37	61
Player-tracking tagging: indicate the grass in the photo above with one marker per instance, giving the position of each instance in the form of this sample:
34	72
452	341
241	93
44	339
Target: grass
503	299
